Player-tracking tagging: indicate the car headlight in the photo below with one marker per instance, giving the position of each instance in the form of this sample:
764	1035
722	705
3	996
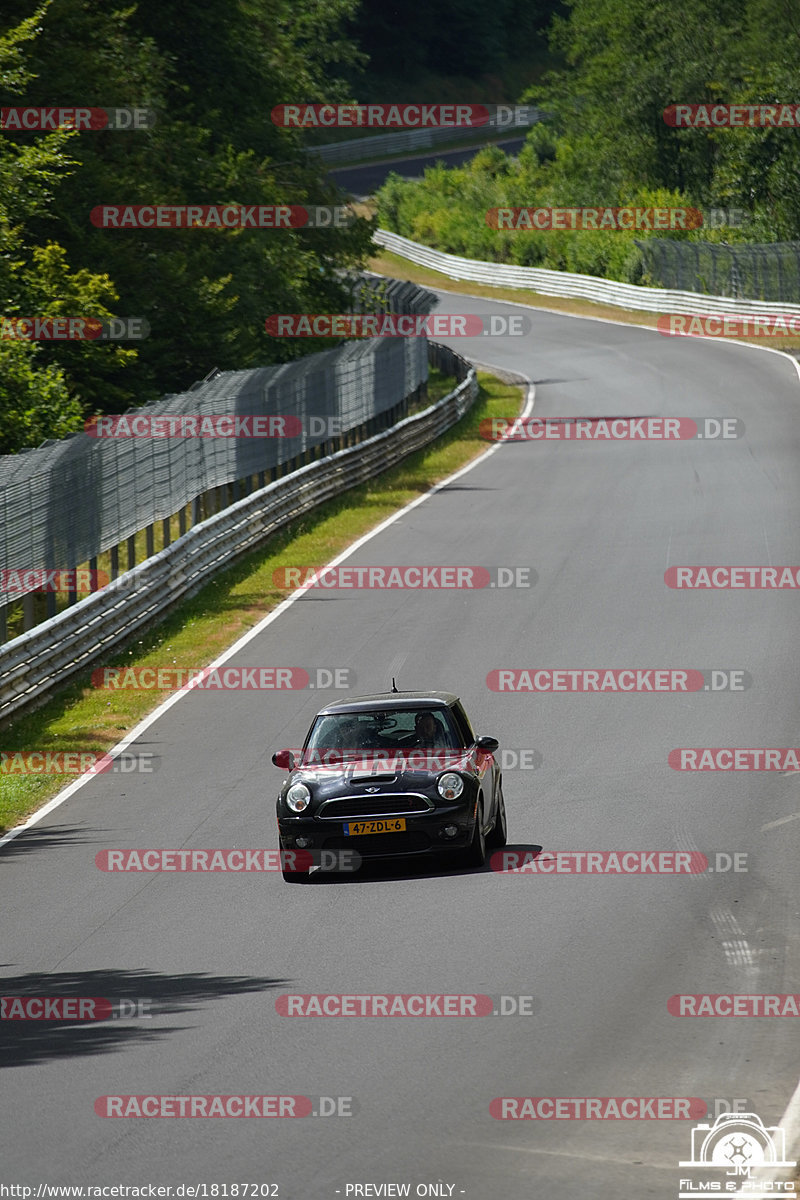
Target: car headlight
298	797
450	785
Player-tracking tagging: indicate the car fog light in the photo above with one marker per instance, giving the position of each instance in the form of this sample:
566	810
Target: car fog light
302	842
450	831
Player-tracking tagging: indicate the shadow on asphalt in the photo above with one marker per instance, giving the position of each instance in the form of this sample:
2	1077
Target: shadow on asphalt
386	871
23	1042
49	836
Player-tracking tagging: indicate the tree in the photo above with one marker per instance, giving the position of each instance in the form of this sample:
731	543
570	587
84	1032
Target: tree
40	397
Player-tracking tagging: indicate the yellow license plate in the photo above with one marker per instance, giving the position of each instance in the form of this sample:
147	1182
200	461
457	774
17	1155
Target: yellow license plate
392	825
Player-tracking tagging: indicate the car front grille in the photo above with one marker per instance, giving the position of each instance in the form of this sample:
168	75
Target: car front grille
355	807
376	844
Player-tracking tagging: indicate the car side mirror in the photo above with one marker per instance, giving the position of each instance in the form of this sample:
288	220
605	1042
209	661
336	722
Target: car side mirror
284	759
489	744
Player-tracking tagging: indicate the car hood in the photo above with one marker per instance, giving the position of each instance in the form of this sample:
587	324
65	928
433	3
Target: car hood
387	769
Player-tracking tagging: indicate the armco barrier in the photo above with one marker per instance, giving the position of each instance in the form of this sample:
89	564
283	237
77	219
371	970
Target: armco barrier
562	283
406	141
70	500
36	662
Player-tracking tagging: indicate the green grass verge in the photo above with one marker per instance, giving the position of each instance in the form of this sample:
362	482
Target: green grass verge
82	718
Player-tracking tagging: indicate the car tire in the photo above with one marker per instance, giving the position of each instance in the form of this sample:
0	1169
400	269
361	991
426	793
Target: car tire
475	854
498	836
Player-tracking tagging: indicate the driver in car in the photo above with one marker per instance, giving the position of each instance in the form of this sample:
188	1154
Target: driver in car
349	734
427	731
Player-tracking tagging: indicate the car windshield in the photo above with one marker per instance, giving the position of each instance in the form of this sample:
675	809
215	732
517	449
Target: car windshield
392	730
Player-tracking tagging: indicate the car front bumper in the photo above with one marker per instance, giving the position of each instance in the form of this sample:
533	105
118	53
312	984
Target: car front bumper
423	834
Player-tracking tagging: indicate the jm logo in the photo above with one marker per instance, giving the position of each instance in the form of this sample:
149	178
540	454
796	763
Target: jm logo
737	1142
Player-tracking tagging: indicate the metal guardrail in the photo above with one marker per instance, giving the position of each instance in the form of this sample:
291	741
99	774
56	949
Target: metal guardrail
32	665
563	283
406	141
68	501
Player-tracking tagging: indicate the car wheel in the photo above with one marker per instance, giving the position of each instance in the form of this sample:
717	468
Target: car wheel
499	833
475	854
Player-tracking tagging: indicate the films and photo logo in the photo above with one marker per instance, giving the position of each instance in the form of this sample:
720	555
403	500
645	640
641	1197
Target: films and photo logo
736	1143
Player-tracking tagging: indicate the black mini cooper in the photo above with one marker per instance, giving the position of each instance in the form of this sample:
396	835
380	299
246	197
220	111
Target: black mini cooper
391	776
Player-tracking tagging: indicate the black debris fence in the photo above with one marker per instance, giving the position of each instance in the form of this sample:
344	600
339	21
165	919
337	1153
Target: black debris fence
69	501
38	661
770	271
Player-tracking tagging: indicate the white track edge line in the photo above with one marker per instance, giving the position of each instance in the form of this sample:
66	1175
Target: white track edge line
790	1121
557	312
242	641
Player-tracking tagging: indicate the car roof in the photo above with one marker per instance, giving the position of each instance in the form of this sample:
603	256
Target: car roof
381	701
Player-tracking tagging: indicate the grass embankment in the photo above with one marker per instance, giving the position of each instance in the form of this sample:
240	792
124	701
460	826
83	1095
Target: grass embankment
82	718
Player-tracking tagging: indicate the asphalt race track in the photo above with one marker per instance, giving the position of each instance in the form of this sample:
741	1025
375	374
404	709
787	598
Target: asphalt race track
599	522
365	178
